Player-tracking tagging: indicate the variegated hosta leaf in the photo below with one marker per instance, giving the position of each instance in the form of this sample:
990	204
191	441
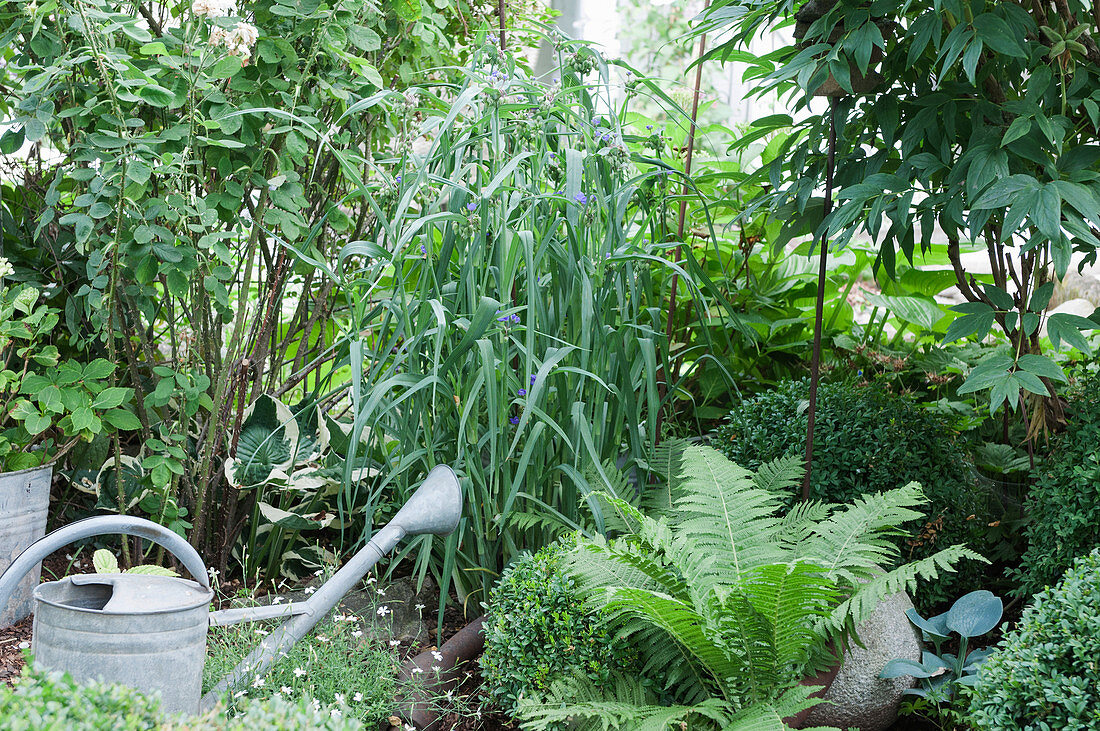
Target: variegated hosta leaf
151	570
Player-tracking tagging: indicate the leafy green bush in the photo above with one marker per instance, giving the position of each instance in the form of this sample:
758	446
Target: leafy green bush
1045	674
1063	504
54	701
736	599
537	630
867	440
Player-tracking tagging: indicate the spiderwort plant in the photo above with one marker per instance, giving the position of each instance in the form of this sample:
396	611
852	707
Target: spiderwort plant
519	351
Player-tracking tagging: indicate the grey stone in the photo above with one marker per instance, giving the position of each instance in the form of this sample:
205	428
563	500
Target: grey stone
860	699
401	619
1076	286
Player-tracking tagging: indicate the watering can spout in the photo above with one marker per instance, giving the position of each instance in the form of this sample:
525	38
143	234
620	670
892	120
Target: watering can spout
434	508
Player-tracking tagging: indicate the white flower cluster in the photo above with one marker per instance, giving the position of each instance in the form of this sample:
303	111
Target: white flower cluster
212	8
5	267
239	39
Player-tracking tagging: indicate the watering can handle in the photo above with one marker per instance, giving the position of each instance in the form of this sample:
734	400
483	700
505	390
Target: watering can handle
97	526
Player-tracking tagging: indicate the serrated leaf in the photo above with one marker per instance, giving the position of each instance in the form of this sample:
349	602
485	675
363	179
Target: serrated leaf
104	562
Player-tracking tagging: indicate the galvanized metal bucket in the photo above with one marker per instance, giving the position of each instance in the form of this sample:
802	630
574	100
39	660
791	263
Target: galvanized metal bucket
24	502
148	632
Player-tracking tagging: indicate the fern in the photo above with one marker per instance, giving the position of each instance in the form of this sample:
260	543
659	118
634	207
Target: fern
738	601
780	475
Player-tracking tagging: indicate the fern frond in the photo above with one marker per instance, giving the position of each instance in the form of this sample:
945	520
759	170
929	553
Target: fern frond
665	464
622	705
726	526
848	614
799	523
853	544
780	475
793	598
549	521
769	716
683	625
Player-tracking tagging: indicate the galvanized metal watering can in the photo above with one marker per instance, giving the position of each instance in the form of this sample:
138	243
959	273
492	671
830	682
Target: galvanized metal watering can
149	632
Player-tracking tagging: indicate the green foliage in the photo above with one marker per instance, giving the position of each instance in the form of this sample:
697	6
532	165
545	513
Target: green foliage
1063	503
338	664
1044	673
54	701
941	674
47	405
104	562
734	600
538	631
191	141
973	118
867	440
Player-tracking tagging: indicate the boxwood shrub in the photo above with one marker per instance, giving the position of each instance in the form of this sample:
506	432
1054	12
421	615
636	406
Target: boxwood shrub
537	630
866	440
1045	674
1063	504
41	700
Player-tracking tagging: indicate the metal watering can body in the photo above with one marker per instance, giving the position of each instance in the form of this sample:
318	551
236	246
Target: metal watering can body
149	632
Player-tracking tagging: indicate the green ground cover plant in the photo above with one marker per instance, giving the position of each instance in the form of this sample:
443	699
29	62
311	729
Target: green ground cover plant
54	701
338	665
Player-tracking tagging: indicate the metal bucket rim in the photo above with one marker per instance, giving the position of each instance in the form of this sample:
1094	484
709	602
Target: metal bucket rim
47	466
207	593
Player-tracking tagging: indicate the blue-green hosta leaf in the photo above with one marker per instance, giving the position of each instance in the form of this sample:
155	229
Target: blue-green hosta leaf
932	628
974	614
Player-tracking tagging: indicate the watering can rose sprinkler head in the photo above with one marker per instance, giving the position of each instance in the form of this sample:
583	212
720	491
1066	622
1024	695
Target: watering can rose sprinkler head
150	632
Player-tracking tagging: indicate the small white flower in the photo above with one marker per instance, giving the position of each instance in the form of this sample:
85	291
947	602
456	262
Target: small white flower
381	591
211	8
285	690
410	727
419	607
322	638
437	655
277	600
258	681
213	573
395	643
416	671
262	632
310	589
340	699
318	572
357	633
240	693
24	645
436	668
383	610
316	704
298	672
371	580
334	713
358	697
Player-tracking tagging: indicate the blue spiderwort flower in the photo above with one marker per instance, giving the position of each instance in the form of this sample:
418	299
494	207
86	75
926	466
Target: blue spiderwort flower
397	180
581	198
513	420
649	126
521	392
471	206
532	379
423	250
